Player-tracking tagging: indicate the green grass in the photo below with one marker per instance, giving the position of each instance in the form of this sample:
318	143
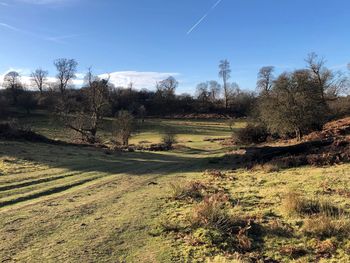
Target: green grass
76	204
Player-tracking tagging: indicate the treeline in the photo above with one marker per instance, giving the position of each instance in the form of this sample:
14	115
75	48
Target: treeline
161	100
290	104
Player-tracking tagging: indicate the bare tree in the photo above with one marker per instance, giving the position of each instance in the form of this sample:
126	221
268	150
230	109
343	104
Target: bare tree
215	90
96	104
265	79
13	84
167	87
122	127
39	79
225	74
66	70
202	91
329	83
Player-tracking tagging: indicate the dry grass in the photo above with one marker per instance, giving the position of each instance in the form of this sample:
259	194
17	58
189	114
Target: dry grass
267	167
217	174
325	227
293	251
277	227
194	190
211	212
296	204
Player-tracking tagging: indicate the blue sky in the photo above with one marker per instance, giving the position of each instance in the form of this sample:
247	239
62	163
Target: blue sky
145	40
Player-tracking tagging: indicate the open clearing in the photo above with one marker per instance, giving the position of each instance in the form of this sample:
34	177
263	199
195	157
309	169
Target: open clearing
79	204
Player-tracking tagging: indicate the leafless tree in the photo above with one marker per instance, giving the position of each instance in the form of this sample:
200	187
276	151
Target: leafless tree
39	79
12	82
215	90
265	79
225	74
122	127
66	70
329	83
96	104
167	87
202	91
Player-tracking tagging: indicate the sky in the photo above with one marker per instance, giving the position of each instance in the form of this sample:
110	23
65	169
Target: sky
144	41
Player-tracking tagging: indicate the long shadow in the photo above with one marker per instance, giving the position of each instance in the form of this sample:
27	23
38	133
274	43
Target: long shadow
80	162
85	159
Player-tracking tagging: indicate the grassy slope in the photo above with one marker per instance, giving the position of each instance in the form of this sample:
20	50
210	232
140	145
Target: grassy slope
70	204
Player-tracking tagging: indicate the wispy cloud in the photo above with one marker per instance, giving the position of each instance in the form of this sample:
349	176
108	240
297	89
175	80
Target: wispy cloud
56	39
60	39
11	27
42	2
4	4
203	17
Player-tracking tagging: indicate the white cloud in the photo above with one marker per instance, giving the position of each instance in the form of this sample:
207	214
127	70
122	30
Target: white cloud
140	80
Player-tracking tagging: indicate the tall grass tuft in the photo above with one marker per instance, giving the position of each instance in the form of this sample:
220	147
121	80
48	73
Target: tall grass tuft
192	190
296	204
325	227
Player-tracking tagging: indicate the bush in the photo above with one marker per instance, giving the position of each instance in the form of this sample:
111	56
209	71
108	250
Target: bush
122	127
253	133
169	139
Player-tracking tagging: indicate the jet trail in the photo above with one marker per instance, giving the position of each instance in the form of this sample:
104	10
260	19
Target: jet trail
203	17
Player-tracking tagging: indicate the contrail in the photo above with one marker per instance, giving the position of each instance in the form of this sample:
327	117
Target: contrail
203	17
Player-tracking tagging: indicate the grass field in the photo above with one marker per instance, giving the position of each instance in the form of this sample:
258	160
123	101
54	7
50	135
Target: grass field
79	204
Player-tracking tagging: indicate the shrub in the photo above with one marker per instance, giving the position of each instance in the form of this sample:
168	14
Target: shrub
252	133
122	127
169	139
295	204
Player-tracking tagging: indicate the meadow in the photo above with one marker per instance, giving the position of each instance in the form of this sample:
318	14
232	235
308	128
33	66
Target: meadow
65	203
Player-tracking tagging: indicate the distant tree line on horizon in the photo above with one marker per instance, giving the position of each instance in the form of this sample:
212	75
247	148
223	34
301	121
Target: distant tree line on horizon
292	103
